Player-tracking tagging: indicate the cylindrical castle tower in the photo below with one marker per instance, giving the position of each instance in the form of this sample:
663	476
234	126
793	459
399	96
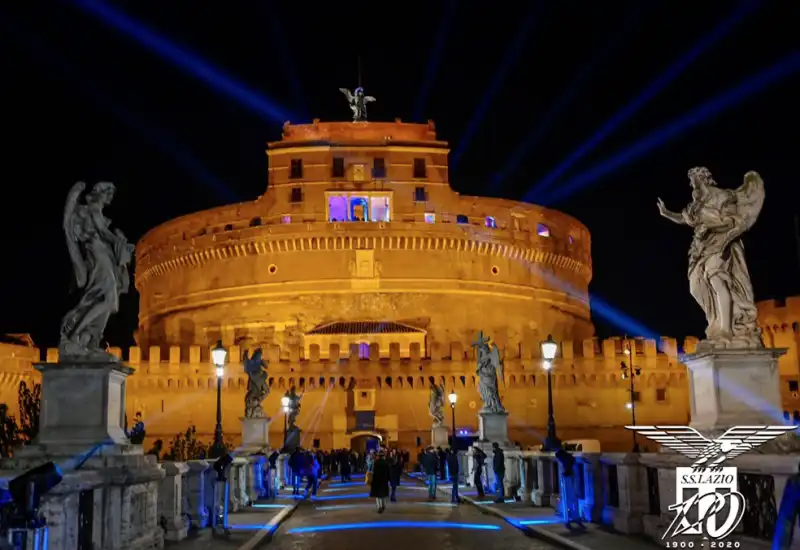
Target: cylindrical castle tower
359	239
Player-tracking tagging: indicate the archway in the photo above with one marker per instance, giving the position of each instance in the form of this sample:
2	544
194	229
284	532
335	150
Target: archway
363	442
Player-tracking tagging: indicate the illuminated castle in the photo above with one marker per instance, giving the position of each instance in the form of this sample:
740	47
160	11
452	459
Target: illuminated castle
366	278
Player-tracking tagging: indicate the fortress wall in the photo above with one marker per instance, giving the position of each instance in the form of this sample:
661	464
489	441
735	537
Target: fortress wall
16	365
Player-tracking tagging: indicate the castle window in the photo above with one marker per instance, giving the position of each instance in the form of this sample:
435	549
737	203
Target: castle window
796	418
430	217
542	230
420	170
661	394
337	208
297	195
461	218
379	209
228	227
337	170
286	219
379	167
296	169
255	222
636	396
571	239
490	222
359	209
363	350
793	385
420	195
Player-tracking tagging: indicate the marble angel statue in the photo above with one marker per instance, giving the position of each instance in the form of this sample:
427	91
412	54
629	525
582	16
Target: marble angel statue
257	386
436	405
718	276
358	102
100	259
490	371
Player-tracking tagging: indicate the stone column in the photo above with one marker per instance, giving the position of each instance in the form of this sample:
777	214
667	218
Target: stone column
255	435
170	501
196	489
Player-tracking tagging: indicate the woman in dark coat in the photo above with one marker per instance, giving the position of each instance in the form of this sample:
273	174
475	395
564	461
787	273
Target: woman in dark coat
379	487
395	472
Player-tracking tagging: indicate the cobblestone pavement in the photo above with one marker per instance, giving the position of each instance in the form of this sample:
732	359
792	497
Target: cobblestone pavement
343	516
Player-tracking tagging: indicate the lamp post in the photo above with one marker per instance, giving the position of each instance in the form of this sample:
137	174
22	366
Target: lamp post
285	401
218	356
453	398
630	373
549	349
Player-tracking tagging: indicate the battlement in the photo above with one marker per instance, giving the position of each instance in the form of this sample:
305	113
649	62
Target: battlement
780	316
354	132
612	350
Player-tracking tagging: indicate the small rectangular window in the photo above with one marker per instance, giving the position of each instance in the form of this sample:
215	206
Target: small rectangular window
661	394
461	218
637	397
286	219
793	385
379	168
430	217
337	170
420	195
542	230
297	195
490	222
296	169
420	170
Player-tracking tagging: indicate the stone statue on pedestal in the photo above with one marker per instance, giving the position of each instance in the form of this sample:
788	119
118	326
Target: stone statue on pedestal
294	409
100	259
490	370
436	405
257	385
718	276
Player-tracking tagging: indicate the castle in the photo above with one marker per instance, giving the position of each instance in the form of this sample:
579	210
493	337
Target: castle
365	278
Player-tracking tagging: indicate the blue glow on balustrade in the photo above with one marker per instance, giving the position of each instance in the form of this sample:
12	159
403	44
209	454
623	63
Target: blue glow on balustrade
333	507
393	525
270	506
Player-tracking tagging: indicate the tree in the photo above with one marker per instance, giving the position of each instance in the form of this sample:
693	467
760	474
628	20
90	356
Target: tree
30	406
185	446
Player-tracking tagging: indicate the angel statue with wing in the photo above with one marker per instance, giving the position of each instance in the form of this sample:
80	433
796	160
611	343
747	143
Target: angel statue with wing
718	276
490	371
358	103
100	259
257	387
436	405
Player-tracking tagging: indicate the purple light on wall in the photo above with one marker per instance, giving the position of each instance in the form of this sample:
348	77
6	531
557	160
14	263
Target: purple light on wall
337	208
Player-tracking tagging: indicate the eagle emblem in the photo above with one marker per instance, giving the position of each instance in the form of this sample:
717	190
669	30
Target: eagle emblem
709	454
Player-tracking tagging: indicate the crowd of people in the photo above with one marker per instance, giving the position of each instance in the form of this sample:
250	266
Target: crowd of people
383	469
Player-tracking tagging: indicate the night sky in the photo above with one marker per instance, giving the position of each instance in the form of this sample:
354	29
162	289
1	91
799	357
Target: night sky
91	97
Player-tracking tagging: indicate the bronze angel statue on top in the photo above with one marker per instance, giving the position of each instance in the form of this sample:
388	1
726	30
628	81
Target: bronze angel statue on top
100	259
718	276
490	372
257	385
358	103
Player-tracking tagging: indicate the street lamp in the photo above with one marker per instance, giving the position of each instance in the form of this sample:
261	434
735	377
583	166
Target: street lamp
453	398
218	356
630	373
285	401
549	349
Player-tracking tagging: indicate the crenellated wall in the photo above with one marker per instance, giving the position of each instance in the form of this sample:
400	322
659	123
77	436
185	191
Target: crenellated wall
780	323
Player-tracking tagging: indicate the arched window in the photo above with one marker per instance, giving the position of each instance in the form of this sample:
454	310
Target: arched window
363	350
796	418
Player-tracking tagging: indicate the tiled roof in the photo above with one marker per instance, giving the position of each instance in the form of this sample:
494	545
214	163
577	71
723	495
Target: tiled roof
363	327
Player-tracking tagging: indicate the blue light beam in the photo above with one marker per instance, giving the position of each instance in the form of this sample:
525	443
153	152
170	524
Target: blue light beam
435	59
496	84
279	42
567	97
649	93
393	525
753	85
186	61
94	90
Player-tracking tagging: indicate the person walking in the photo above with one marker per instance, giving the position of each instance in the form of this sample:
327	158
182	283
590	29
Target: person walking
272	475
379	483
453	466
569	498
478	462
430	464
395	472
499	465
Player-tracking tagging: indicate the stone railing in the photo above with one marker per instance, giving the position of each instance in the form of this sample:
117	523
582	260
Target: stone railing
186	494
632	493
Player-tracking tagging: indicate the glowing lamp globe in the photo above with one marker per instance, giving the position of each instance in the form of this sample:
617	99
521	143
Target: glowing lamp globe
549	349
285	401
218	354
453	398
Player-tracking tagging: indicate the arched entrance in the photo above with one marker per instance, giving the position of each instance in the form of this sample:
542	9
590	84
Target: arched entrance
363	442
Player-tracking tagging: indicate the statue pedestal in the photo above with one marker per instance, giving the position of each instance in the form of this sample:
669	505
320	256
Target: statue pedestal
439	436
255	435
493	427
734	387
293	439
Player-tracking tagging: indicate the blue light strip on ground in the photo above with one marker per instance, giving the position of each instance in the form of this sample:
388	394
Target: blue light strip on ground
393	525
543	521
331	507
